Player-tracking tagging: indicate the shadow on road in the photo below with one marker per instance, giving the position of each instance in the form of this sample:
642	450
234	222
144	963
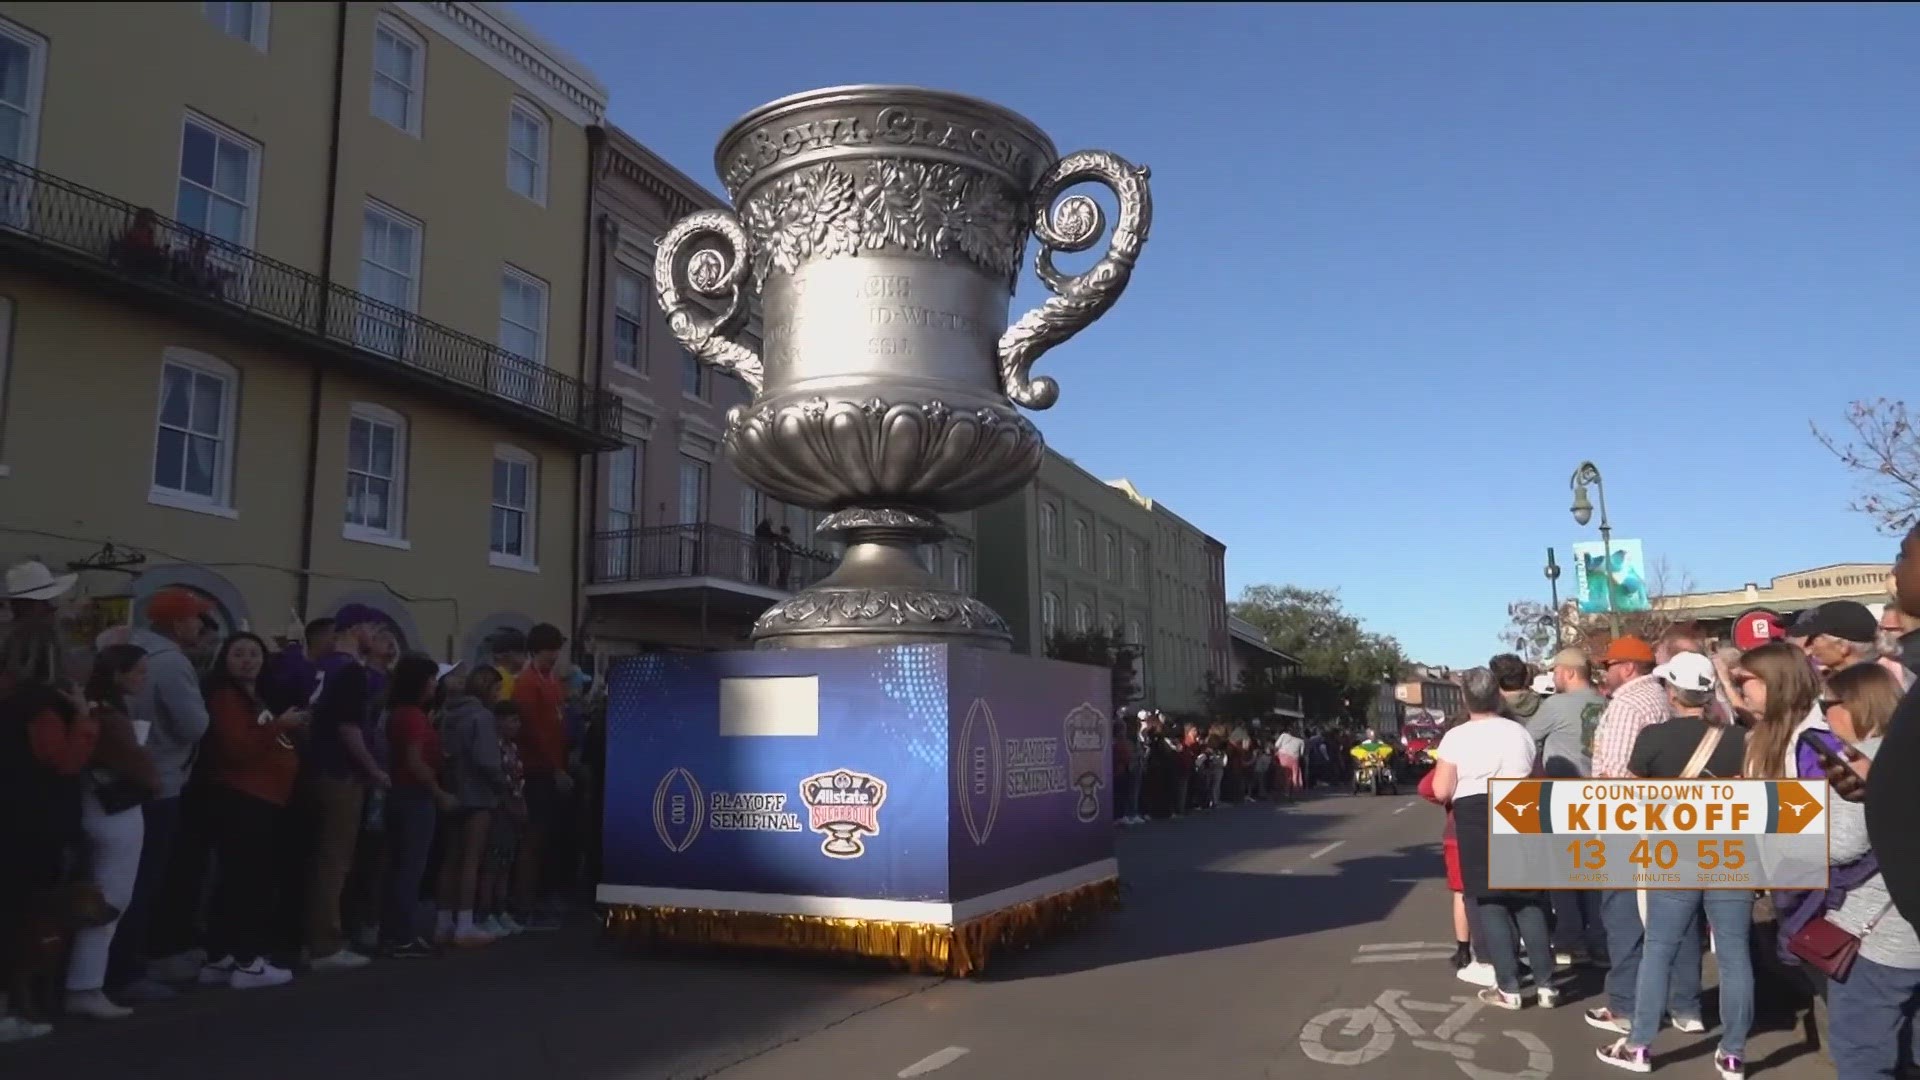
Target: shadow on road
1198	886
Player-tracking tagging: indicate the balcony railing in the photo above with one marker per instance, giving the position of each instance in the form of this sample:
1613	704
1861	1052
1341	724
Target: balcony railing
709	551
136	245
1289	701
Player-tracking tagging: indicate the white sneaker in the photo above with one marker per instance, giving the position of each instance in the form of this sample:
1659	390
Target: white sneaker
344	960
183	967
472	937
510	924
20	1029
259	975
94	1005
1547	997
1478	973
491	925
1692	1025
218	973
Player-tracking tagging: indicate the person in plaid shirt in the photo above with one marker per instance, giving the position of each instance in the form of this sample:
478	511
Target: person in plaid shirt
1637	701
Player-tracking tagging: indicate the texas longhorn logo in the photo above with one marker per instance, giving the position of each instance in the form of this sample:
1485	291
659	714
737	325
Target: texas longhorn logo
841	806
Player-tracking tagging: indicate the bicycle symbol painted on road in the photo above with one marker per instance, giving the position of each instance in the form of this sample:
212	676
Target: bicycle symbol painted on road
1392	1010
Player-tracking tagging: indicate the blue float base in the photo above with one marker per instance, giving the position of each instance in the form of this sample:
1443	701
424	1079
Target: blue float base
917	785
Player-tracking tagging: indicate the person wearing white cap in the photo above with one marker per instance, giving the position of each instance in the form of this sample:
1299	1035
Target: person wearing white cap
32	588
1688	746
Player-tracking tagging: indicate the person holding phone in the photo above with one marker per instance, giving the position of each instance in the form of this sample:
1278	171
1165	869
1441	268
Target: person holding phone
251	764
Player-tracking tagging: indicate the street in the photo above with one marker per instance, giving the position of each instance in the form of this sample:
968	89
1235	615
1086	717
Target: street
1305	941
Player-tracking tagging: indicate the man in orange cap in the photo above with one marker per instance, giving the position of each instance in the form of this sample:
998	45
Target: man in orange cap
170	702
1637	701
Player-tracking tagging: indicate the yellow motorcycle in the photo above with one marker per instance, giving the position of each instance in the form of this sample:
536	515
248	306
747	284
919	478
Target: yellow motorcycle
1373	768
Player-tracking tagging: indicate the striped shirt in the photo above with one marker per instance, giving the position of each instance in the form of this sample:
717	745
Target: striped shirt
1637	705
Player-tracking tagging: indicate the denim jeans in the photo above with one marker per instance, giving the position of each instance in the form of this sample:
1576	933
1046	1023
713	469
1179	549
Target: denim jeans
1864	1017
1507	920
411	818
1130	782
1671	916
1577	922
1620	913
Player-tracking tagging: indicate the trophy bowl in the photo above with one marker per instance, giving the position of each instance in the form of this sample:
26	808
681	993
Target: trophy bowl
880	230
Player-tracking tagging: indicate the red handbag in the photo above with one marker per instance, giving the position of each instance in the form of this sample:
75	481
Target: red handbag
1829	949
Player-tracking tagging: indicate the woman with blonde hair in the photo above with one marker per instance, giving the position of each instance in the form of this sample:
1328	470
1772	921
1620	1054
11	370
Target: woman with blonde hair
1860	701
1776	689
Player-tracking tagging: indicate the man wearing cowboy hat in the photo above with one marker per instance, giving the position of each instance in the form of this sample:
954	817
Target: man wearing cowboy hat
32	589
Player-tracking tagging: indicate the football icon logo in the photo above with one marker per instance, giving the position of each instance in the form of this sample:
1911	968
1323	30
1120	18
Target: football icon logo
678	811
976	771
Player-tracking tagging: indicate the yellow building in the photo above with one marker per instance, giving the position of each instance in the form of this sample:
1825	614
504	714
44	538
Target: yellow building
1786	596
292	303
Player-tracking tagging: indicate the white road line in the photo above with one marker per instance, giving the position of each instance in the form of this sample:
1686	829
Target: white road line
1404	809
1405	957
939	1059
1326	849
1402	946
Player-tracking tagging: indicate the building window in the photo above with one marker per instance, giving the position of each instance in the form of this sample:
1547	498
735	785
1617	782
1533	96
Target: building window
1134	559
399	74
523	334
219	176
1082	618
1049	528
693	490
1109	556
389	275
1111	627
962	575
1082	543
193	446
623	501
1049	617
23	58
527	151
693	375
1133	632
376	474
629	322
6	355
515	502
248	22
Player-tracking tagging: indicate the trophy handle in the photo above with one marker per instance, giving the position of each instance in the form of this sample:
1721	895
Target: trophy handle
714	272
1078	299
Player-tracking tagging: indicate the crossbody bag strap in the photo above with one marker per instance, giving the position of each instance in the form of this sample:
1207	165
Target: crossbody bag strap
1697	764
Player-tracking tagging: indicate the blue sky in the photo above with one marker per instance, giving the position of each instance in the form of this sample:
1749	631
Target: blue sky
1411	265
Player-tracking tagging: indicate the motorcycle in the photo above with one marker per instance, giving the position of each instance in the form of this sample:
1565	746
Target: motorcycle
1373	774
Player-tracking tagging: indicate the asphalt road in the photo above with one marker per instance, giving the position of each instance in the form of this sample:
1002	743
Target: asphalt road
1244	934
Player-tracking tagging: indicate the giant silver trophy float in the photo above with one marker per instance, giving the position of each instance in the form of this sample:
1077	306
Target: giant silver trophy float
881	229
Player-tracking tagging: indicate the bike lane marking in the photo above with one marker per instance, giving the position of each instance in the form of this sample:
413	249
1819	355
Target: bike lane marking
1404	952
1391	1014
1326	849
939	1059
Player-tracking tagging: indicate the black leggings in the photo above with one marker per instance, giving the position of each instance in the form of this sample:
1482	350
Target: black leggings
244	830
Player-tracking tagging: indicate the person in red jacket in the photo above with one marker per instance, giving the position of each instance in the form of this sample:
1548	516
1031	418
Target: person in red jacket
1463	935
543	754
250	764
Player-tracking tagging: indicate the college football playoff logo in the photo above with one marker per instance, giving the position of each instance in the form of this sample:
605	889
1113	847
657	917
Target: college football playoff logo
677	810
976	768
843	806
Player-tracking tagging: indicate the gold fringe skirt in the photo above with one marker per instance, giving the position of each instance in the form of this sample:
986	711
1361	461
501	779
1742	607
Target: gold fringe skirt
956	951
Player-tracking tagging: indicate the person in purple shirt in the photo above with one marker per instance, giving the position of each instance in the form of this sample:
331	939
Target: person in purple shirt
295	673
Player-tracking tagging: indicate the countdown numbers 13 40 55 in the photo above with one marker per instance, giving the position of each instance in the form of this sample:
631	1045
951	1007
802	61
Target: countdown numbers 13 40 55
1711	854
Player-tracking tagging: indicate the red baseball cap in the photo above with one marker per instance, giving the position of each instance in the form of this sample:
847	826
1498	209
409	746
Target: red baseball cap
173	604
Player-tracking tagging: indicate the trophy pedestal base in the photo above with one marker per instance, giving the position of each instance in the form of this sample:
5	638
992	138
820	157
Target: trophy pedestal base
881	594
923	804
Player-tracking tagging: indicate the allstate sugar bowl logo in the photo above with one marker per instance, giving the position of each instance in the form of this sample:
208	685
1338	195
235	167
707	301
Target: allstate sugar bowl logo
842	806
977	771
677	810
1085	729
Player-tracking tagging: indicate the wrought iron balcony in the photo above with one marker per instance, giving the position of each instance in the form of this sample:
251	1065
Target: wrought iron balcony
704	551
55	224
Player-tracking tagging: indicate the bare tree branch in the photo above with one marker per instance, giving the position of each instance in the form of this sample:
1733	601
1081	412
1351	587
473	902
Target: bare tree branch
1883	449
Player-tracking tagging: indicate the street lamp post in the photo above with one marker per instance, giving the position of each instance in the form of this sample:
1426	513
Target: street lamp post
1553	583
1586	474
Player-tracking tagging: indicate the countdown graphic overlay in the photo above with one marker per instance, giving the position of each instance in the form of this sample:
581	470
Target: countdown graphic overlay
1657	834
